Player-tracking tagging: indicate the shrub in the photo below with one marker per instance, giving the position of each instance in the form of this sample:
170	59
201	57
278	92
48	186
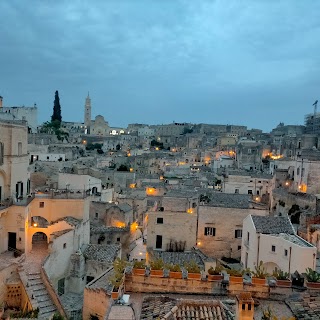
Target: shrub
139	264
192	267
312	275
215	271
280	274
234	272
157	264
173	267
260	271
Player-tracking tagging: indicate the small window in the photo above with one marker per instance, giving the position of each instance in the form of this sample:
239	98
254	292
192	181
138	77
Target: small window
273	248
249	306
209	231
159	220
194	205
239	247
285	252
47	157
41	204
243	306
97	215
64	245
248	237
249	151
238	233
259	181
236	190
249	191
118	239
19	148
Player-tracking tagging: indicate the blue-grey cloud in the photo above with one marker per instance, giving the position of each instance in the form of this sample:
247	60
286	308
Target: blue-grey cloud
244	62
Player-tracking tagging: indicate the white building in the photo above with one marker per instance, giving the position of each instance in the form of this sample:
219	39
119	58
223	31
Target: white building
223	162
47	157
79	182
274	241
28	114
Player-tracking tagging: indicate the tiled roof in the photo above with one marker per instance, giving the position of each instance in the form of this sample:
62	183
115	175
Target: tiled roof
166	308
204	310
272	225
229	200
103	281
102	253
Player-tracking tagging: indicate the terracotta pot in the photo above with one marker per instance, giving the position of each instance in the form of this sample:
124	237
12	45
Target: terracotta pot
313	285
215	277
259	281
175	274
284	283
115	295
138	272
156	273
233	279
196	276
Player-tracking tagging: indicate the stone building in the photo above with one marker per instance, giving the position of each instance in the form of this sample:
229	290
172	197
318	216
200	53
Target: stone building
219	230
249	155
28	114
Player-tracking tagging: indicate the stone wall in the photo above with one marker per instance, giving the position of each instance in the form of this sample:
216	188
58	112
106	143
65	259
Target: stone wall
96	302
5	274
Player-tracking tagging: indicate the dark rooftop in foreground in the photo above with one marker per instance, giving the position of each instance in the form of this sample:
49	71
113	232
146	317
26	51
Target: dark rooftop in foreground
272	225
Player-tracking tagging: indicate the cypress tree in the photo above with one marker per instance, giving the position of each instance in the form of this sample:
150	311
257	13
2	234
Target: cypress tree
56	116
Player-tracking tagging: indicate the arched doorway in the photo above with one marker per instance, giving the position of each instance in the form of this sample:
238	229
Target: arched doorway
270	267
39	241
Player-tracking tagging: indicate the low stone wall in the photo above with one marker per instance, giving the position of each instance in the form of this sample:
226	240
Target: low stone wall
139	283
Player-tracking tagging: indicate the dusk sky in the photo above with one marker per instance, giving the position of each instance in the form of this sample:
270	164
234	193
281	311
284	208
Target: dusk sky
253	63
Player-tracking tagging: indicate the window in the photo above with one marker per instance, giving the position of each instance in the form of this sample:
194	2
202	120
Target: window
243	306
41	204
249	191
298	171
159	220
273	248
194	205
238	233
19	148
118	239
239	247
236	190
209	231
285	252
97	215
249	151
64	245
249	306
248	237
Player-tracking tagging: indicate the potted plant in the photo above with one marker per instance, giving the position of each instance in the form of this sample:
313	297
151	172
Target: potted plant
193	270
214	274
157	267
235	276
313	279
282	278
119	266
259	274
139	268
174	271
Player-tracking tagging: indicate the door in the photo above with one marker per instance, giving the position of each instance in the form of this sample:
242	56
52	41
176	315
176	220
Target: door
61	287
12	241
159	242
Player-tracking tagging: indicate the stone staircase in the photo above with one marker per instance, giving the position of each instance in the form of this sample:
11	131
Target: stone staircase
29	271
40	295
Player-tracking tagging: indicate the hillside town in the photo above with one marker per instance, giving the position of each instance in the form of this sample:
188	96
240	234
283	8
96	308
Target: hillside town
169	221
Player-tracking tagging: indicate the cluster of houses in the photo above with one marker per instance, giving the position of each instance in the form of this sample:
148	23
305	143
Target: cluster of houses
216	195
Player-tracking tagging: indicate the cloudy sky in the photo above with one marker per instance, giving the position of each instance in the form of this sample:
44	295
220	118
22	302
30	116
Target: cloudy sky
254	63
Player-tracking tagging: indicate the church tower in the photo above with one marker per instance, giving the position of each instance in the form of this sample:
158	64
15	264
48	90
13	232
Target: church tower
87	112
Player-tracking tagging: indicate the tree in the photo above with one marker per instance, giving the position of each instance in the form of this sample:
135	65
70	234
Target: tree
56	116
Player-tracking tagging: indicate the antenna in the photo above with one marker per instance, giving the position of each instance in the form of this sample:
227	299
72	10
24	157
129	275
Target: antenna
314	115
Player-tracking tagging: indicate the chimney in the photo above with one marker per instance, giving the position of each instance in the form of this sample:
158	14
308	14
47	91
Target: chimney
244	306
1	99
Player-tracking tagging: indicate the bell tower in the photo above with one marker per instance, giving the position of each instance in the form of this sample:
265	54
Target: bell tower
87	112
